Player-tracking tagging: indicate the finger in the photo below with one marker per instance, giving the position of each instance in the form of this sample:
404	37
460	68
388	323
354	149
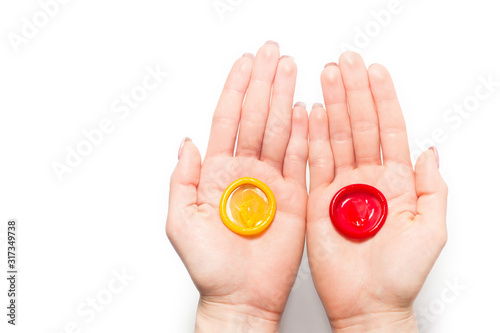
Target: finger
226	117
256	105
364	122
320	152
294	166
432	191
183	186
393	137
338	117
279	121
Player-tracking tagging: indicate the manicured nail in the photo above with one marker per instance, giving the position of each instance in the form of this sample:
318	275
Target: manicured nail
331	64
249	55
273	42
435	154
317	105
286	56
300	104
182	146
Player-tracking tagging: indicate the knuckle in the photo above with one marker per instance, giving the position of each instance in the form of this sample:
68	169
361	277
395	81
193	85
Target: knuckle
342	136
319	162
364	126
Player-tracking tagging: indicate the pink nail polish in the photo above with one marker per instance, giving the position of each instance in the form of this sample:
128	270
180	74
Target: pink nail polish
249	55
317	105
331	64
300	104
182	146
286	56
435	154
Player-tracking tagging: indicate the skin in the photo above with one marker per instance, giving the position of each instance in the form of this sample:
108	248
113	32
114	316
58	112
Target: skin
370	285
244	281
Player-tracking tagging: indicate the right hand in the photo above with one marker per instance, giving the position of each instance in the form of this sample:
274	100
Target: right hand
370	285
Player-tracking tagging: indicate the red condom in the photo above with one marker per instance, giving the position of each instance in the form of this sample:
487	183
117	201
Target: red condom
358	211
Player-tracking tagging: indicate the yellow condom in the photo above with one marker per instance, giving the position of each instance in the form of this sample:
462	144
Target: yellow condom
247	206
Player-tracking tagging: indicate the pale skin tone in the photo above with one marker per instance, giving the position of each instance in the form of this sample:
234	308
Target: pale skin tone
244	281
370	285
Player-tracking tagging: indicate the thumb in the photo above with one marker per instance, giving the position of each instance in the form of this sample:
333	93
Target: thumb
183	184
431	190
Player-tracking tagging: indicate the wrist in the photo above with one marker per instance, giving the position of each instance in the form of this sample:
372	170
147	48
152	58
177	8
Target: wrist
403	321
228	318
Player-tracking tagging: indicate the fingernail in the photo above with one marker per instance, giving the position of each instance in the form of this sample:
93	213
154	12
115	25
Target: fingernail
317	105
273	42
249	55
435	154
286	56
182	146
331	64
300	104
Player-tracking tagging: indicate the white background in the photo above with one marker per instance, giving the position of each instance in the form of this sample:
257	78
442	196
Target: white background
109	213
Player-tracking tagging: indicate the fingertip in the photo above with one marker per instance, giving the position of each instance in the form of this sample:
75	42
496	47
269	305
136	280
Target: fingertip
350	59
248	55
272	42
300	105
188	167
428	179
436	154
330	76
287	66
379	76
333	64
320	154
295	161
182	146
426	160
244	64
378	72
183	187
269	50
190	151
300	112
318	116
300	125
432	193
318	128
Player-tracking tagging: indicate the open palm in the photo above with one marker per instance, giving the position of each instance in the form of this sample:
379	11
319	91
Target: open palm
382	274
255	273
